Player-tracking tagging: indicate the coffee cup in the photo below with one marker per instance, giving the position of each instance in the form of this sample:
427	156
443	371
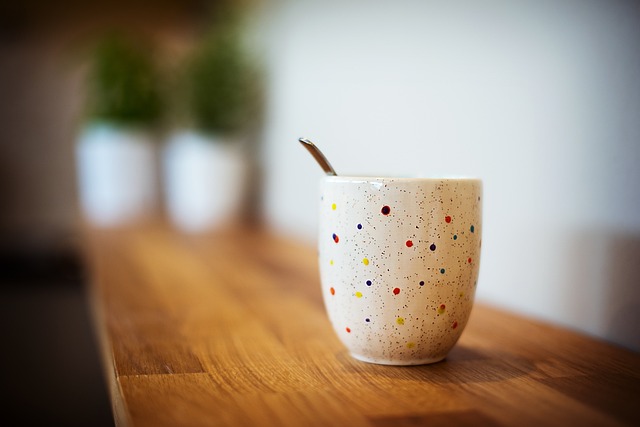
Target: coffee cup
399	261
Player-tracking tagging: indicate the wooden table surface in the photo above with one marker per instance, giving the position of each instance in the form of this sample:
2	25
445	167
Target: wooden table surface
230	330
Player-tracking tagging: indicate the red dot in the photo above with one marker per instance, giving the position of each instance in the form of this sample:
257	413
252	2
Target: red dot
442	306
336	238
469	260
348	329
447	219
333	291
409	243
396	291
455	324
385	210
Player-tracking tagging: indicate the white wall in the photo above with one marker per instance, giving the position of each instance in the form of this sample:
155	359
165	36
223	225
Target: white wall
540	99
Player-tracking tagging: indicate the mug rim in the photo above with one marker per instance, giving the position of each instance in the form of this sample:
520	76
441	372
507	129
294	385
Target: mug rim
369	179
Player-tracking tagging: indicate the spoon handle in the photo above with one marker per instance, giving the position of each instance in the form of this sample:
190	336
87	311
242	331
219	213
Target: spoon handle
317	154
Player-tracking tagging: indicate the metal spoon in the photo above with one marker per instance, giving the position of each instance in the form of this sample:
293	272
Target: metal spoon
317	154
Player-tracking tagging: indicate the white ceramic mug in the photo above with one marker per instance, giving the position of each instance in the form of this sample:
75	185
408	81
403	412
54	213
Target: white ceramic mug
399	261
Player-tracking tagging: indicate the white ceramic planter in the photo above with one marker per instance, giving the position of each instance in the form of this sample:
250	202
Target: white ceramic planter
204	181
117	174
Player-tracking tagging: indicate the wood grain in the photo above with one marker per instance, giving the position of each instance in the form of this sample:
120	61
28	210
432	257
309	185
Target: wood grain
229	329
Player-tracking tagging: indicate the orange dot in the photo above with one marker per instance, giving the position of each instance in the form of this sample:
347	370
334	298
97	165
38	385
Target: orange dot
348	329
333	291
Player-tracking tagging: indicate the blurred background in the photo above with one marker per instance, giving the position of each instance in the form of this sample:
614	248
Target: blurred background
539	99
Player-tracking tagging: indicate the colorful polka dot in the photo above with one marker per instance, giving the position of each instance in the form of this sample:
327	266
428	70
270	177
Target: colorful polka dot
472	229
422	283
454	325
396	291
447	219
469	260
411	344
359	226
432	247
332	290
442	308
409	243
330	262
333	206
367	320
369	283
335	238
348	329
358	294
442	271
386	210
400	321
455	237
365	261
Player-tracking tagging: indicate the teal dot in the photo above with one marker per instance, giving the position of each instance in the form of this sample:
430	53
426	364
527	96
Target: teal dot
455	237
442	270
472	229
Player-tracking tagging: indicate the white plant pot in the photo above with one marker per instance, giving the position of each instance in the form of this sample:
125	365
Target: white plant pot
204	179
117	174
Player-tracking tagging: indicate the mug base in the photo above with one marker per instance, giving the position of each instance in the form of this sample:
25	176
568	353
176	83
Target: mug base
392	362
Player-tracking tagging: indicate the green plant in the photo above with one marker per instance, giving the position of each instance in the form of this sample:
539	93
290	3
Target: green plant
123	84
222	84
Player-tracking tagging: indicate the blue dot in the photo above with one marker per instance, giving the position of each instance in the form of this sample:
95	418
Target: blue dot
359	226
432	247
422	283
367	320
368	282
472	229
455	237
442	270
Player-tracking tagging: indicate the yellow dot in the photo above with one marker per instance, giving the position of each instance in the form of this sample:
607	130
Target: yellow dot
400	321
365	261
330	262
333	206
411	344
358	294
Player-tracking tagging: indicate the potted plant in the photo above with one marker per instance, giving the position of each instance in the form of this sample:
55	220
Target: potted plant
205	165
115	151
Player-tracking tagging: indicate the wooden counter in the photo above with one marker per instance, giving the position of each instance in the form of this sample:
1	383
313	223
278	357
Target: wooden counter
230	330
